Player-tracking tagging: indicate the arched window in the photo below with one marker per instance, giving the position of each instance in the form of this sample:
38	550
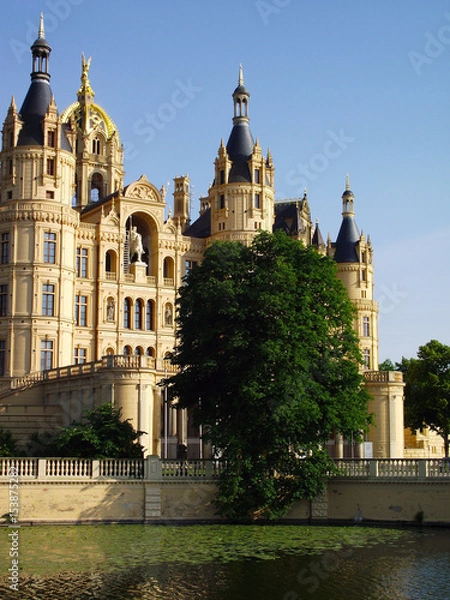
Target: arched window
96	187
127	313
139	351
138	314
149	315
96	146
150	352
168	268
127	350
110	262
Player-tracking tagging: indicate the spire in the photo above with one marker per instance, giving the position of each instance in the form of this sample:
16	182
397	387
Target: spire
41	32
348	200
40	51
240	97
85	88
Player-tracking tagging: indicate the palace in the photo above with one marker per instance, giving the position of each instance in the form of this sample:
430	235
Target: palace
90	267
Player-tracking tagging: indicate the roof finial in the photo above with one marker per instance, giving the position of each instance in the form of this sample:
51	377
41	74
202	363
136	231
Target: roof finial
347	182
241	75
85	83
41	32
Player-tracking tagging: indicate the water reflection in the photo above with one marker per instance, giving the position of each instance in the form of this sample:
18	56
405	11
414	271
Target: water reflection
415	567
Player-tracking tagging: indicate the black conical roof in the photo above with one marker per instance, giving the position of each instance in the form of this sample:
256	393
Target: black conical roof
346	241
240	149
33	109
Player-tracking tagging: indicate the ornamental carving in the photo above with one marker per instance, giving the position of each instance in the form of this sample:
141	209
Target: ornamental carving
143	192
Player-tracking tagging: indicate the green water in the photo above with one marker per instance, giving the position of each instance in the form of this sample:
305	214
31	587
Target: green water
227	563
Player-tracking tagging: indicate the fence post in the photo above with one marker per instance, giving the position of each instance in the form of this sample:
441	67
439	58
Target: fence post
373	468
423	468
153	468
95	469
41	468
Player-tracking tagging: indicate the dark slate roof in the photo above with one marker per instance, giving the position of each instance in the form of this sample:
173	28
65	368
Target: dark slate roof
287	217
317	239
33	109
201	228
346	241
240	148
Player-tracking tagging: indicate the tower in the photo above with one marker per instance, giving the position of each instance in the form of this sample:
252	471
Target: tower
98	149
241	197
37	228
353	254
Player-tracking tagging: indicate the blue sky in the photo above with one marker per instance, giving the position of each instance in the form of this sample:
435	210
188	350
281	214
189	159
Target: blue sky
337	87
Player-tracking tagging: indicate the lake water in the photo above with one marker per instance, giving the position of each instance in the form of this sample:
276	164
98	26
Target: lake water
139	562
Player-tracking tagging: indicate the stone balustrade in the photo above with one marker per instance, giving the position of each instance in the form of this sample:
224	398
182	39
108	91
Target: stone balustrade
153	468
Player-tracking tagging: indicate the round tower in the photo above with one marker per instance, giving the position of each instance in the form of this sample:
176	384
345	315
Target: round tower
353	254
242	194
37	229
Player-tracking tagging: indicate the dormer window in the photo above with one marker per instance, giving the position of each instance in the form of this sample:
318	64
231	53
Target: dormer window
257	176
51	138
96	146
222	176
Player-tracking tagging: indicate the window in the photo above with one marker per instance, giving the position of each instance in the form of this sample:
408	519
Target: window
5	248
50	195
48	299
366	358
50	247
366	326
46	355
188	265
363	257
81	311
2	357
222	201
51	138
96	146
138	314
79	356
10	166
50	166
363	275
257	176
82	262
257	200
149	315
3	300
222	176
127	313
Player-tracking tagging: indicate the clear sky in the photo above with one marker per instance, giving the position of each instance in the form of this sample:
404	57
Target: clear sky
337	87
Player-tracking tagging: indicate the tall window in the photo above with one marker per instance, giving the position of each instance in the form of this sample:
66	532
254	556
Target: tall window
127	313
366	358
50	166
46	355
51	138
222	201
149	315
257	176
3	300
79	356
50	247
138	314
257	200
365	326
96	146
5	249
48	299
81	311
82	262
2	357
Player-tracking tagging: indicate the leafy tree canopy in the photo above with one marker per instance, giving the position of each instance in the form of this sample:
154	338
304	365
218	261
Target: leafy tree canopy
427	391
269	359
101	434
8	444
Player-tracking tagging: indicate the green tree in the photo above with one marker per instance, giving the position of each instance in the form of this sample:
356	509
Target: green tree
387	365
8	444
268	359
101	434
427	390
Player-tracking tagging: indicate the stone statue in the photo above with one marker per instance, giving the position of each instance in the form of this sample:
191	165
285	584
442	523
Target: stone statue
136	246
110	310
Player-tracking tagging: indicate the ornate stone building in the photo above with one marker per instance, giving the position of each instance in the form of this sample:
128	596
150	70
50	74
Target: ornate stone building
90	267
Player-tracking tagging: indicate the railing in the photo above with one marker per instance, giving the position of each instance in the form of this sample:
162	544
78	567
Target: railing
153	468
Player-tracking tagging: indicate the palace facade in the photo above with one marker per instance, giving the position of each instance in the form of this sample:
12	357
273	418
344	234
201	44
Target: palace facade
90	267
